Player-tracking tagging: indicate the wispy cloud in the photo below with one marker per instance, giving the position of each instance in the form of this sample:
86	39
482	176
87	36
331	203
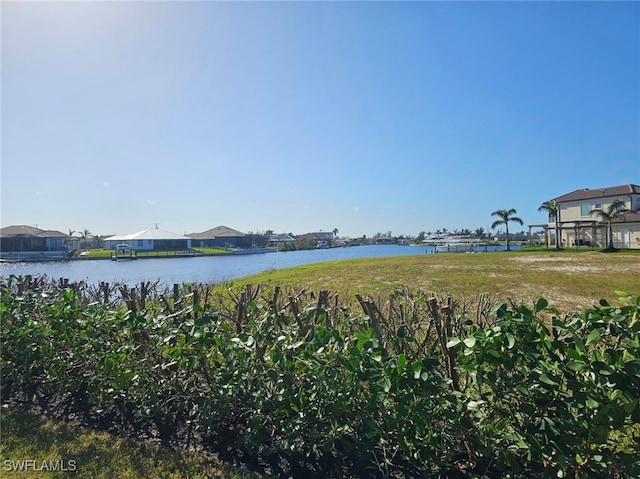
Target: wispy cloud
149	202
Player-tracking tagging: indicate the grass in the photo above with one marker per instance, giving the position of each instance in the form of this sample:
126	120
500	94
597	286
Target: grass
96	455
568	279
100	253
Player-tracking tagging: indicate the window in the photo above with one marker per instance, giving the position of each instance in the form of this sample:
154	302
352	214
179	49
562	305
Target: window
598	205
585	209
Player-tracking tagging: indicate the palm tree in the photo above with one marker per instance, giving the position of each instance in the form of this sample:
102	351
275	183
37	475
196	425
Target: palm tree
614	210
505	216
99	240
552	208
85	236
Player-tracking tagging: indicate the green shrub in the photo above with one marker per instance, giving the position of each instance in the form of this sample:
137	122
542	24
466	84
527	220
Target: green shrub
319	390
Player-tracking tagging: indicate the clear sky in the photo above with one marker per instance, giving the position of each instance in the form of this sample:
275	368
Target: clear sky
295	117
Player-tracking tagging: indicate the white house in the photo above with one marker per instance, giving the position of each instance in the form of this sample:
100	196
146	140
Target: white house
152	239
578	225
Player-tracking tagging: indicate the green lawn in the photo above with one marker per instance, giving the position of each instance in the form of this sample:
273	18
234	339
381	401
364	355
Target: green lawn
568	279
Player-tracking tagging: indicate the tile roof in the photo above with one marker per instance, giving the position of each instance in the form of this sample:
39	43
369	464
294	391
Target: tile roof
217	232
26	230
628	217
587	194
53	234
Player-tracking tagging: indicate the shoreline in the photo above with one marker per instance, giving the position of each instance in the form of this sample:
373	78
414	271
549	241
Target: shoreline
142	255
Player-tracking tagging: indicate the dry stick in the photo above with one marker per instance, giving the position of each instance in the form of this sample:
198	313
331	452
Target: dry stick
105	292
295	307
207	294
274	299
371	310
240	308
196	295
323	302
129	297
176	293
443	328
144	289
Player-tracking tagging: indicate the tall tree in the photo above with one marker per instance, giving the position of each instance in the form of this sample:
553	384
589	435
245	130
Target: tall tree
615	209
505	216
99	240
85	236
552	208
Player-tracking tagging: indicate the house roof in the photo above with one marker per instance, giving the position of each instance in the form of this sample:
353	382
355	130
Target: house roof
628	217
318	235
148	234
26	230
588	194
217	232
53	234
281	237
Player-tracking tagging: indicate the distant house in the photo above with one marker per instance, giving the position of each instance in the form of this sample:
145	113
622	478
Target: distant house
28	242
281	240
512	237
225	237
152	239
386	240
320	239
578	226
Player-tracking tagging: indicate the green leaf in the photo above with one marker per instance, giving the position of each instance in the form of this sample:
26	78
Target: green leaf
577	366
453	342
573	354
402	362
471	405
593	338
541	304
511	340
592	403
632	366
547	380
417	369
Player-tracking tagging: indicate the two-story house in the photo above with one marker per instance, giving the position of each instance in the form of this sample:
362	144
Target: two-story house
578	225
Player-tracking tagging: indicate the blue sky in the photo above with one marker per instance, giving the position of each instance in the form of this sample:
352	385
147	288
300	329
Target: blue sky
304	116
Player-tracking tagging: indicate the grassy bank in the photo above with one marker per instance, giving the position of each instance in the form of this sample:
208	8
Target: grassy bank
569	280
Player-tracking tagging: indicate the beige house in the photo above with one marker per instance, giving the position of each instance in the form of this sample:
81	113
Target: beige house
579	226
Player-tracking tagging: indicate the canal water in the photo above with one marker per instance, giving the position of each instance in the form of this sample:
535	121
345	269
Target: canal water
202	269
